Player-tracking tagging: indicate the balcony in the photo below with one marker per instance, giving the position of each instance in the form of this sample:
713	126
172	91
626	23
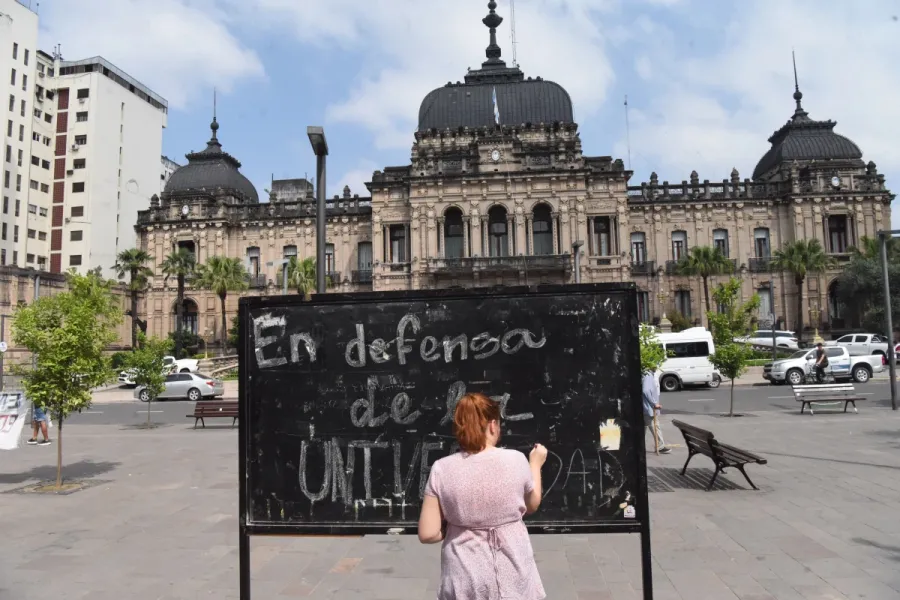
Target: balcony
760	265
333	278
361	277
646	267
257	282
672	267
840	257
499	264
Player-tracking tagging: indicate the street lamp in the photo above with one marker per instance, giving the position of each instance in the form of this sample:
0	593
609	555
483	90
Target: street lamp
814	314
320	148
283	263
576	249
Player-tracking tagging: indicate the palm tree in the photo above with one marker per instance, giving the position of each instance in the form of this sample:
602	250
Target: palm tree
302	276
870	248
134	263
705	261
801	258
222	275
179	264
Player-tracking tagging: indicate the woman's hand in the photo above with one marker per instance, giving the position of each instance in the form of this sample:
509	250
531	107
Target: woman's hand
537	456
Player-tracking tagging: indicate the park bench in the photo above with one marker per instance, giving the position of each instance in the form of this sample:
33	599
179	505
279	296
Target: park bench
701	441
211	409
833	393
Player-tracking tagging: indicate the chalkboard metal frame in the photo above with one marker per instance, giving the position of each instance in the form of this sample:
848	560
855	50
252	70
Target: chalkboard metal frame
247	527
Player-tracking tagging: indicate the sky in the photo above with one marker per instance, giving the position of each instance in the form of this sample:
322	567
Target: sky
707	81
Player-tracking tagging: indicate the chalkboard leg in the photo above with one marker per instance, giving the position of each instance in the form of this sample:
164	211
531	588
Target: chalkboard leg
244	559
646	558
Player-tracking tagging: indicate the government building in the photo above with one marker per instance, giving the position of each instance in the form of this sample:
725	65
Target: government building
499	191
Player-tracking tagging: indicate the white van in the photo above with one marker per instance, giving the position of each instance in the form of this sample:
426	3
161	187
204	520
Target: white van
688	362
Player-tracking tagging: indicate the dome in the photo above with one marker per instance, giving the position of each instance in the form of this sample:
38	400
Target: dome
802	139
518	101
209	170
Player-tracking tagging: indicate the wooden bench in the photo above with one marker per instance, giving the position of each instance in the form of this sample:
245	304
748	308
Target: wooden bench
211	409
808	395
701	441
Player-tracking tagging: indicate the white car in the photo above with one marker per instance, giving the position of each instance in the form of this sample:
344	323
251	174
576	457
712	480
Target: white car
862	344
762	338
182	365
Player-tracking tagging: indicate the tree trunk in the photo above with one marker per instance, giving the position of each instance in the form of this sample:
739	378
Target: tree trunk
706	296
224	326
731	405
800	311
179	308
134	317
59	450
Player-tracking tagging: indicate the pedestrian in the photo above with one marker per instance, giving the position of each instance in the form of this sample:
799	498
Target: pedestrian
474	503
650	385
39	419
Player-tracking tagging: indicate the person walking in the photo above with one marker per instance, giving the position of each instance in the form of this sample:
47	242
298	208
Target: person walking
39	419
650	386
474	503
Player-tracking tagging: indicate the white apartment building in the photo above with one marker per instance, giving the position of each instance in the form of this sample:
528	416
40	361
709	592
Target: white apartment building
35	247
169	166
18	56
107	162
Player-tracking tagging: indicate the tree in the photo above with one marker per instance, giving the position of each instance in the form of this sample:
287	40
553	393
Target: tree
222	275
801	258
704	261
652	352
148	369
67	333
133	263
860	288
180	264
731	358
233	335
302	276
870	247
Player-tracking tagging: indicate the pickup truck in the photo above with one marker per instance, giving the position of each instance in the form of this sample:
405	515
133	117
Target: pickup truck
182	365
862	344
843	366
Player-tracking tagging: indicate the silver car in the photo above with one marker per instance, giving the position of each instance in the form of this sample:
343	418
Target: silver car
190	386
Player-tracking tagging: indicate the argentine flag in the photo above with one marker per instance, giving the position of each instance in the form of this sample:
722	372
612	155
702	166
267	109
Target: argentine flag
496	108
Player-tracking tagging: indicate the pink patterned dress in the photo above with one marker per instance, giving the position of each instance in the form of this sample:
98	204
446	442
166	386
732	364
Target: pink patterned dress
486	554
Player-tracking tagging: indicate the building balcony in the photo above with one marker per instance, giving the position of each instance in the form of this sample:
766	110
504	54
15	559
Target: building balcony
333	278
605	261
840	257
361	277
644	267
499	264
257	282
760	265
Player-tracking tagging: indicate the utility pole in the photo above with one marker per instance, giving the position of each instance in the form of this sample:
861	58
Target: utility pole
883	236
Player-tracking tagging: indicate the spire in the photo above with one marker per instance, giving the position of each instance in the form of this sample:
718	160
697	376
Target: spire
492	21
215	124
798	95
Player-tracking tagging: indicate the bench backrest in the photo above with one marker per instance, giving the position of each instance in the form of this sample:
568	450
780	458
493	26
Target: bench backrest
701	439
216	407
830	390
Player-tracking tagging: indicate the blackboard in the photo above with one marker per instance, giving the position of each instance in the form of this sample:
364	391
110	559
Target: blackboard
347	400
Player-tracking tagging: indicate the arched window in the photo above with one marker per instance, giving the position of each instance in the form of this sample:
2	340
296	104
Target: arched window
498	234
453	233
190	316
542	231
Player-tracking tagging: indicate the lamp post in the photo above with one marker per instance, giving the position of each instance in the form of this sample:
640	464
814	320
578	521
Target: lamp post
320	148
576	250
814	314
891	358
664	324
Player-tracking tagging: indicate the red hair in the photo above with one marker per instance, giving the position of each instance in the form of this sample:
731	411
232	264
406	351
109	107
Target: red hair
473	413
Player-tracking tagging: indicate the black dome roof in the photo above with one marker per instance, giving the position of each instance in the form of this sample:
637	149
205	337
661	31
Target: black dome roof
210	170
519	101
803	139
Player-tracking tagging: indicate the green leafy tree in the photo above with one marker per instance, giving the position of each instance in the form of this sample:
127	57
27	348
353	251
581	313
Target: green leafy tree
679	321
704	262
860	289
133	263
731	358
801	258
149	369
181	265
652	353
67	333
233	332
302	276
222	275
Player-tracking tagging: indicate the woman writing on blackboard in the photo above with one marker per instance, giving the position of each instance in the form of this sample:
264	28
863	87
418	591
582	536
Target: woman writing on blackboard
474	502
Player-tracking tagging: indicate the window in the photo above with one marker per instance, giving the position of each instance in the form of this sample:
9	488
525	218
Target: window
9	129
42	262
638	248
3	257
37	113
498	234
765	303
602	237
22	108
78	186
15	257
761	242
26	57
688	349
81	140
15	233
45	187
15	51
6	179
643	306
36	161
46	141
3	232
45	164
679	245
453	233
77	211
21	133
290	251
40	68
18	183
542	231
83	93
683	302
42	235
79	163
81	117
24	82
364	256
33	184
5	205
48	117
35	136
21	158
8	153
253	259
397	237
75	260
12	77
50	72
32	208
837	234
18	205
12	103
76	236
29	258
32	234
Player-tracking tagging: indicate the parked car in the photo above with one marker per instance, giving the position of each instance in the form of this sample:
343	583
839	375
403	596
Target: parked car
862	344
762	338
688	362
182	365
843	366
189	386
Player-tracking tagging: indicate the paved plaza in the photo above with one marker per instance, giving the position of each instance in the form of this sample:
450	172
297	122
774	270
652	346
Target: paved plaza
160	523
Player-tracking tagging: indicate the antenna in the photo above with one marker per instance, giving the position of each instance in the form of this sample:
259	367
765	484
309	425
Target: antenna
627	132
512	31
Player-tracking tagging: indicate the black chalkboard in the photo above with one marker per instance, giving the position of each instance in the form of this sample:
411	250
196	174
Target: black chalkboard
347	400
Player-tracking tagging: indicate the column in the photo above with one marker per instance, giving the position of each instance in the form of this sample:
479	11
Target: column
466	237
521	234
510	234
565	232
485	237
554	229
407	242
591	241
529	234
442	247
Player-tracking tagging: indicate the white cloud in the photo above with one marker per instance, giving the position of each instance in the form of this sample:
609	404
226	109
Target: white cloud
181	49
